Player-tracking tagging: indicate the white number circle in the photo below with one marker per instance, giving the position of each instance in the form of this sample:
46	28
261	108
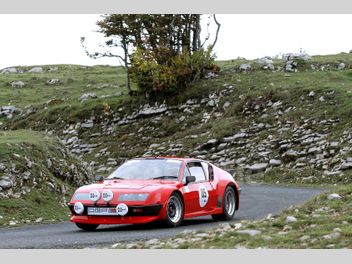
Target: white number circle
203	196
94	196
122	209
107	195
78	207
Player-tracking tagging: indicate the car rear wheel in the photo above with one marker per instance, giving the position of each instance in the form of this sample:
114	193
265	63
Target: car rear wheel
229	207
174	210
86	227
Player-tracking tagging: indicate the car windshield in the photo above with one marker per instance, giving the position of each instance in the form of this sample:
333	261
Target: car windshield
144	169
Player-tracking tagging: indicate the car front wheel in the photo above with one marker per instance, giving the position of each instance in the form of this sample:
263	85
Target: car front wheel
174	210
86	227
229	207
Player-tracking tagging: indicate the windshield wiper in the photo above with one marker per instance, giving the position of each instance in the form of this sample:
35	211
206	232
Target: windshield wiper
115	178
163	177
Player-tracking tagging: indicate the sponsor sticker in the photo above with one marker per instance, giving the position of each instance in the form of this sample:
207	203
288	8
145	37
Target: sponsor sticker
203	196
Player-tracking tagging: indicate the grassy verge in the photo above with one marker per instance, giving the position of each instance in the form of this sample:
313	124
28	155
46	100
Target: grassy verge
37	176
318	223
39	206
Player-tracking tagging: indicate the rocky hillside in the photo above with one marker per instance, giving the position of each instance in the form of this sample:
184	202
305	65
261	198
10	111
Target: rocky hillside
36	170
275	120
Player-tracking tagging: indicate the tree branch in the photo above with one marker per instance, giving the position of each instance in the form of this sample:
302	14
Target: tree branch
217	31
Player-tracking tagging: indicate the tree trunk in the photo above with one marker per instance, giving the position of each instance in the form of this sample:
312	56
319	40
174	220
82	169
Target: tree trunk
128	79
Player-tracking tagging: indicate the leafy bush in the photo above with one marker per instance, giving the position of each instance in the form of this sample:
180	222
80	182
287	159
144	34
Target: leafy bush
165	73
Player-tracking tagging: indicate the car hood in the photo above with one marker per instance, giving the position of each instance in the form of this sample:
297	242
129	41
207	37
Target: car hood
130	185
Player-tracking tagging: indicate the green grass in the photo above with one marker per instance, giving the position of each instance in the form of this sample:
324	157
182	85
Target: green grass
25	151
74	81
39	203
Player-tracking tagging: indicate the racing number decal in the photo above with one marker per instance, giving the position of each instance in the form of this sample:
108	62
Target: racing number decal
203	196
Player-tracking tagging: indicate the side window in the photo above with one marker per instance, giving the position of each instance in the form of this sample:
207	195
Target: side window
211	172
196	170
185	174
206	169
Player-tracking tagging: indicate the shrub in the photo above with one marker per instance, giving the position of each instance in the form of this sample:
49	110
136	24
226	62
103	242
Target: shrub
167	73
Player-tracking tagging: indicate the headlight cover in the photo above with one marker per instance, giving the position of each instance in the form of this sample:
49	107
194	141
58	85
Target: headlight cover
81	196
94	195
78	208
133	197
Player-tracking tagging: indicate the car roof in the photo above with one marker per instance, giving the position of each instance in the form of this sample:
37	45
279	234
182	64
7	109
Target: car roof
171	157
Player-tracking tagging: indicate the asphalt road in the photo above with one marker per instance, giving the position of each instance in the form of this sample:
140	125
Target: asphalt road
256	201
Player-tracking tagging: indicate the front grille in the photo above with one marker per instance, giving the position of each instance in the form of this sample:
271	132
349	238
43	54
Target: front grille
148	210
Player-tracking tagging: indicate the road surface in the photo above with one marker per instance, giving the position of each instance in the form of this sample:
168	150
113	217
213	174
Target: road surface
256	201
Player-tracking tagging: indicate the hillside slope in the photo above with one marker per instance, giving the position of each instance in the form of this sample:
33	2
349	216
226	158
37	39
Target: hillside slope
273	121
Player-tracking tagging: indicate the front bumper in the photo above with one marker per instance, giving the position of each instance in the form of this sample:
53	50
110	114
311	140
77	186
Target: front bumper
135	215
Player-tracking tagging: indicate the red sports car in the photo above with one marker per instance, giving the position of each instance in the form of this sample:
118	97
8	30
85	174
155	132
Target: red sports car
156	188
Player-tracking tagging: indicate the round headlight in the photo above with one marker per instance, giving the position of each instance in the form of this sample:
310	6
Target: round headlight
78	208
107	195
94	195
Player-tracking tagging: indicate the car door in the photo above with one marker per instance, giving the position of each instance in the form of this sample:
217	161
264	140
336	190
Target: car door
199	195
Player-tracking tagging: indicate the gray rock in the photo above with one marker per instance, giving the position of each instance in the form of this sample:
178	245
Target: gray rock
266	63
152	242
251	232
245	67
49	163
87	124
53	69
290	155
8	111
277	105
51	186
154	145
17	84
314	150
334	145
26	175
258	167
6	183
9	70
346	165
212	141
211	103
334	196
333	235
71	140
87	96
311	94
2	167
275	162
36	70
226	104
291	219
146	111
52	81
300	55
235	137
341	66
39	220
322	99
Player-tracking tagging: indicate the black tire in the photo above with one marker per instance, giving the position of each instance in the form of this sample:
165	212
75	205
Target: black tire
227	213
86	227
174	210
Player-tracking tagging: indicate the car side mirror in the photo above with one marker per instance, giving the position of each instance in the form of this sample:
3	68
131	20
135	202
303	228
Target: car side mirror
190	179
99	178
